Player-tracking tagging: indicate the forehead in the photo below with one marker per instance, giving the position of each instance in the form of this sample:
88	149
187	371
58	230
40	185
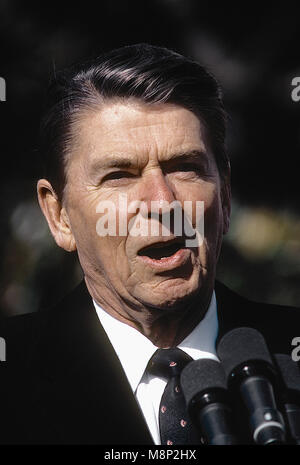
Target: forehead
137	130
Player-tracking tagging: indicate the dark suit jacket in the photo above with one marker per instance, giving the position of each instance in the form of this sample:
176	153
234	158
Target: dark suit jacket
62	382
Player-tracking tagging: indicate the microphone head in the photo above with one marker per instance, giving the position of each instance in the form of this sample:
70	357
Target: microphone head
242	345
200	376
289	372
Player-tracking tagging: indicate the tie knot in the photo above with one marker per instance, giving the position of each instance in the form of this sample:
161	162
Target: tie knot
168	362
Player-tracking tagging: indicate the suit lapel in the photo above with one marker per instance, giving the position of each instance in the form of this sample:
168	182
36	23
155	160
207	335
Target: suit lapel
82	388
277	324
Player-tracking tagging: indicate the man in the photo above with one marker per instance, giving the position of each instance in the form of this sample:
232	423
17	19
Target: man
141	124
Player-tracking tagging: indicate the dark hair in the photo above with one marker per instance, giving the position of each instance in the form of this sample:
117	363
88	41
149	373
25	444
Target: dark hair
149	73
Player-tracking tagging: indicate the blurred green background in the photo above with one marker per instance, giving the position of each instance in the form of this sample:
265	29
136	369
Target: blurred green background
255	55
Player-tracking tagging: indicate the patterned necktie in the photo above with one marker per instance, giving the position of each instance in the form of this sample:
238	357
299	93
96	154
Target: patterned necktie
174	422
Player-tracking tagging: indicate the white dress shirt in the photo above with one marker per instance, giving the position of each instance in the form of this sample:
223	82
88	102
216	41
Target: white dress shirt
134	351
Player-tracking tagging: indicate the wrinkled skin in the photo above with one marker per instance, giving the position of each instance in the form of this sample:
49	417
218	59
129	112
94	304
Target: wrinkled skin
150	142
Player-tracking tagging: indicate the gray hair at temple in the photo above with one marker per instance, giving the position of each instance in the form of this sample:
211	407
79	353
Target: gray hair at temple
149	73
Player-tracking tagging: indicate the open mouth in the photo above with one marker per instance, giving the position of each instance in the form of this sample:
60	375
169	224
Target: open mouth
161	250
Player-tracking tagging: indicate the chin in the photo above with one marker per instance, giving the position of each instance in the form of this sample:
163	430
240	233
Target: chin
173	297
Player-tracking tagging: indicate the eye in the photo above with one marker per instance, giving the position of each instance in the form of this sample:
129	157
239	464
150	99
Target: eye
188	168
118	176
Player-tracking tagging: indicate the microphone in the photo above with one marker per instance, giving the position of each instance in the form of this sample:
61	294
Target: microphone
204	387
251	375
290	388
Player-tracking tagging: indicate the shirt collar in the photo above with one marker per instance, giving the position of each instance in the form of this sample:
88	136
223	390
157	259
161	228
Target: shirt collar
134	350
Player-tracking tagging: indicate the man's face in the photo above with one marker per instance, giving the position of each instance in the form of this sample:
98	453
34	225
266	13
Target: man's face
147	153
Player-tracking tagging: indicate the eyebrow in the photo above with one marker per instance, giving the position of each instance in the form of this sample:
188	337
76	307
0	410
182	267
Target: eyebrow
127	163
191	155
117	162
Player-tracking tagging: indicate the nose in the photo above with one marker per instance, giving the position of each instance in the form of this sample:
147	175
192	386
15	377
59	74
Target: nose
157	189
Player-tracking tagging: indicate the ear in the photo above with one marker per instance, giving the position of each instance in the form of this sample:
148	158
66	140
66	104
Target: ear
226	200
56	216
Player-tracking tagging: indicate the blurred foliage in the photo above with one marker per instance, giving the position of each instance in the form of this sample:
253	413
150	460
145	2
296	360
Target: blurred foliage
253	52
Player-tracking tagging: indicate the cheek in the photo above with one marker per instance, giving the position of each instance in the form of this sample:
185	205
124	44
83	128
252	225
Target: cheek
202	199
111	238
213	221
90	227
213	228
